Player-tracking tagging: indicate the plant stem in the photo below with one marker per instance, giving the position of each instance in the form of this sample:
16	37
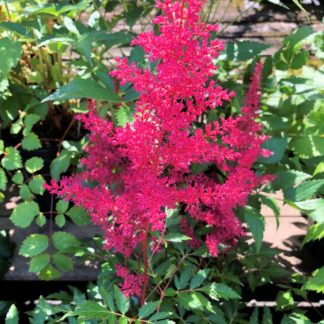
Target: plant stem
145	265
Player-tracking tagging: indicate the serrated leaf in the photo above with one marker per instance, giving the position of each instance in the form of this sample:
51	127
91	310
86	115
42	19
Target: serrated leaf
312	207
29	121
18	178
160	316
34	164
284	300
123	116
24	213
11	51
79	216
315	232
176	237
64	241
12	159
12	316
304	191
308	146
62	262
33	245
122	302
256	225
39	262
182	281
199	278
62	206
83	88
148	309
49	273
3	180
319	169
31	142
92	310
60	164
218	291
41	220
193	300
60	220
316	282
25	193
288	179
36	184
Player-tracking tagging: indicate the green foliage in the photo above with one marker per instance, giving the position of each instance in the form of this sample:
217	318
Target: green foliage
34	245
24	213
12	316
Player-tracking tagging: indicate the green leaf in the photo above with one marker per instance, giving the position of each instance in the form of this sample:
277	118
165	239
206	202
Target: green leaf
316	282
288	179
12	316
10	53
41	220
313	208
24	213
36	184
18	178
319	169
193	300
62	206
254	319
39	262
49	273
304	191
30	120
63	241
267	317
284	300
148	309
277	146
79	216
92	310
160	316
62	262
60	220
122	302
123	116
31	142
17	28
1	146
25	193
246	50
273	204
199	278
308	146
315	232
218	291
3	180
12	159
176	237
256	225
182	281
34	164
60	164
83	88
33	245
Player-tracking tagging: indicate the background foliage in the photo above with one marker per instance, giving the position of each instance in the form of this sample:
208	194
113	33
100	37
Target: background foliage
52	58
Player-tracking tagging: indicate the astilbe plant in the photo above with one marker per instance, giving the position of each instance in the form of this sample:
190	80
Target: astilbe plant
133	174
